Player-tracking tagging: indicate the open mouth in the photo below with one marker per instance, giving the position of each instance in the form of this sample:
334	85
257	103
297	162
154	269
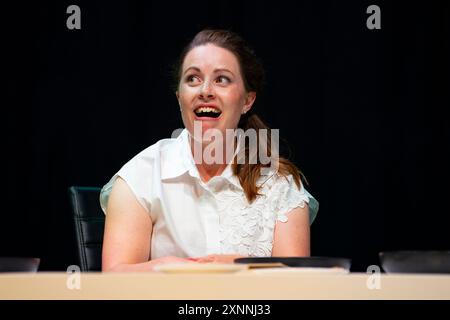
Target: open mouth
207	112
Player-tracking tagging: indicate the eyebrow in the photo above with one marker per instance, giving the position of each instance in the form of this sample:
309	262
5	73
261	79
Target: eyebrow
215	70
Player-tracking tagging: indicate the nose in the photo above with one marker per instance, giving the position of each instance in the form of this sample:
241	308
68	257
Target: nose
206	91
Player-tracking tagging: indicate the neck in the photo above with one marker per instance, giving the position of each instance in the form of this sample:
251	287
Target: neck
206	169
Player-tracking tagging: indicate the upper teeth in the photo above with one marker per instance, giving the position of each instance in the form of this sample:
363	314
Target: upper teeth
207	109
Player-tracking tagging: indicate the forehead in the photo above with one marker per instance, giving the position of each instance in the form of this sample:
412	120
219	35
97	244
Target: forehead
211	56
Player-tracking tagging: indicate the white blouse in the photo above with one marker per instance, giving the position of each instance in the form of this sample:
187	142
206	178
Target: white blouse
192	218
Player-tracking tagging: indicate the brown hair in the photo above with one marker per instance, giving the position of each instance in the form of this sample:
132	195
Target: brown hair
253	76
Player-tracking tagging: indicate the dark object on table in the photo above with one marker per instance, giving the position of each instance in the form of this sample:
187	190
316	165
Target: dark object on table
19	264
415	261
307	262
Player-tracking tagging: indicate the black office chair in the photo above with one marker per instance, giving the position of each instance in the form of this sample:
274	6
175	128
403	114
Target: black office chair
89	221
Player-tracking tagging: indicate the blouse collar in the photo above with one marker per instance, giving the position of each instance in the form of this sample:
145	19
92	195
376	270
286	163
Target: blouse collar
178	160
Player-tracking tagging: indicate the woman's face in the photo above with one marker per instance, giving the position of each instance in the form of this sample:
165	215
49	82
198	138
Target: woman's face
211	90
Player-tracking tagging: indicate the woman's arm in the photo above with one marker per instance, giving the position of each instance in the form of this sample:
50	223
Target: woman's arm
292	238
128	231
128	228
218	258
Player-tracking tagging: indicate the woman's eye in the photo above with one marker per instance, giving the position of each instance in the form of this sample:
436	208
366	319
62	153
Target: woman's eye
224	79
191	78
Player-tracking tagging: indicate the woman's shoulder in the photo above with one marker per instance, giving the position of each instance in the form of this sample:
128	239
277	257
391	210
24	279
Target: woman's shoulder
274	179
157	150
148	161
288	193
136	171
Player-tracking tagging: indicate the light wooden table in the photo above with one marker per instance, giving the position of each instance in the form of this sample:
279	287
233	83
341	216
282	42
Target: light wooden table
243	285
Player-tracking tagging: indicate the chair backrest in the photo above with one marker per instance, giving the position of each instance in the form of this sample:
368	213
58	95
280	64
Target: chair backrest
89	223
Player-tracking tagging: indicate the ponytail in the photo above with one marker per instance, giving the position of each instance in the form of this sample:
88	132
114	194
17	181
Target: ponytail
248	173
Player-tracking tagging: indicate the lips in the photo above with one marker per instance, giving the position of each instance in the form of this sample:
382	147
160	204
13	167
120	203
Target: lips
207	111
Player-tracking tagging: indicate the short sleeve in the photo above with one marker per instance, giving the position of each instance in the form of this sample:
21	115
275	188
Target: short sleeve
137	175
289	196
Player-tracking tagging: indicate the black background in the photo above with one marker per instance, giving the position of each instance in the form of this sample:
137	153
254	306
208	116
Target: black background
364	111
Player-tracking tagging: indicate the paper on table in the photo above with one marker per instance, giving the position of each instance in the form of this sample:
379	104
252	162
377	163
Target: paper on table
266	265
200	267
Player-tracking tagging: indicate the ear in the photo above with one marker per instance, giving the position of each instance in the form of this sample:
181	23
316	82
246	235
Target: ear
249	100
178	97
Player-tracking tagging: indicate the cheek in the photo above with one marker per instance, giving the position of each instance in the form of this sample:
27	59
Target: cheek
186	93
234	110
234	100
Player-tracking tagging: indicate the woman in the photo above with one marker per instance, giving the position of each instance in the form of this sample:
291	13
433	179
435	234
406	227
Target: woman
171	203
